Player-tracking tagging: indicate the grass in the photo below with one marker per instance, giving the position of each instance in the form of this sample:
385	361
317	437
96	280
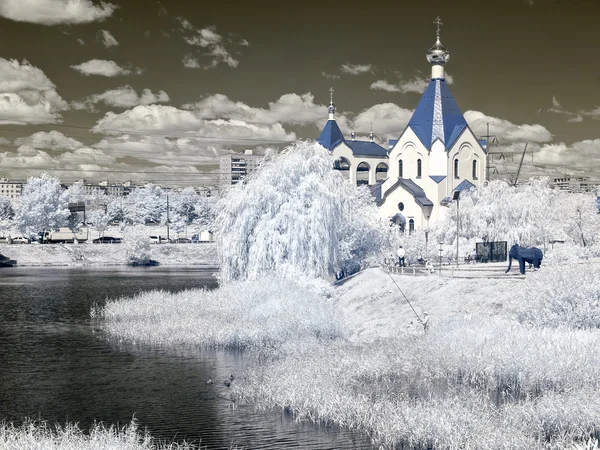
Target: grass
240	315
506	382
39	435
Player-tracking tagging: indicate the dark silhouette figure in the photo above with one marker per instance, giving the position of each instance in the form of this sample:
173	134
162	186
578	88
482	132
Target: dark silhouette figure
532	255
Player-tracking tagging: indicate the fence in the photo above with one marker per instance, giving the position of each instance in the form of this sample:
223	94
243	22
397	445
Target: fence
491	251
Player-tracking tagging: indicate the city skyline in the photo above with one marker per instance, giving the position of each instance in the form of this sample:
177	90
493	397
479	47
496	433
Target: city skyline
156	90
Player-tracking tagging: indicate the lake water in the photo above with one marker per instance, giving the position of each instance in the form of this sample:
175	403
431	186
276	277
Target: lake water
55	365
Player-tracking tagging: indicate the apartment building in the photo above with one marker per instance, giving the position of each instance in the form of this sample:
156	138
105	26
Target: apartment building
234	167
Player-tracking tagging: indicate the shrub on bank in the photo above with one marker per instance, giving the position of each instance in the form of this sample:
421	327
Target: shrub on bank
239	315
560	296
466	384
38	435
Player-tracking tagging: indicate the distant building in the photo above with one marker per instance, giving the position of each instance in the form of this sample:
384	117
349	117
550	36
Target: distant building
10	189
573	184
234	167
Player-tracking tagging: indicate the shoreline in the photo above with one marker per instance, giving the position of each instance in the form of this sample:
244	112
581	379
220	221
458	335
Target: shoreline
106	255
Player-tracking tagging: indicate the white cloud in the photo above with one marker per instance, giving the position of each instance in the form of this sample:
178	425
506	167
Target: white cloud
506	131
416	84
575	119
209	39
27	95
54	12
122	97
49	140
167	120
355	69
80	41
582	156
190	62
330	76
389	120
107	39
244	42
104	68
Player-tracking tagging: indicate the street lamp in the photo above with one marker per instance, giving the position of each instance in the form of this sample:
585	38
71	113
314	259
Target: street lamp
441	251
455	197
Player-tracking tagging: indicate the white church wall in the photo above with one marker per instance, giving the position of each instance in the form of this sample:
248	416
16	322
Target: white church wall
342	150
467	149
438	159
411	210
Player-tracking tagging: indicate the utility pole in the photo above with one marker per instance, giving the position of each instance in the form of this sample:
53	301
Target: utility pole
167	218
489	154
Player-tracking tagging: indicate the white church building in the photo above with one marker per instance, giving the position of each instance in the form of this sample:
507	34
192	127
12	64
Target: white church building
436	154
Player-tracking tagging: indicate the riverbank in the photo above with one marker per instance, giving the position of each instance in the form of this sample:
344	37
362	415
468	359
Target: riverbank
480	375
108	254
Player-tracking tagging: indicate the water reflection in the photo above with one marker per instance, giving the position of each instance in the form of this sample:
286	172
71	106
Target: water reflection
56	366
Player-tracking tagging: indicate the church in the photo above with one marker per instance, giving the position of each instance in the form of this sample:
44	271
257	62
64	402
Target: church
414	179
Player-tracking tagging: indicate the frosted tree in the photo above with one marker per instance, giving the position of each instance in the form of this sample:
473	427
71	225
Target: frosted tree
7	214
205	211
42	206
296	214
184	203
137	246
146	205
75	194
581	218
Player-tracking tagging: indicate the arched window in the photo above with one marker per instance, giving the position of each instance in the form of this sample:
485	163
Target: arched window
474	169
411	226
343	165
362	173
381	172
456	168
400	169
418	168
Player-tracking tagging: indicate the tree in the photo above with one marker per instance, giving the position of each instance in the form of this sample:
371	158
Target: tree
184	203
41	207
147	205
296	213
7	213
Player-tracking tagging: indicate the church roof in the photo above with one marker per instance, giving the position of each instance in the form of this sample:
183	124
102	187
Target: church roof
413	188
464	185
367	148
376	191
331	135
437	116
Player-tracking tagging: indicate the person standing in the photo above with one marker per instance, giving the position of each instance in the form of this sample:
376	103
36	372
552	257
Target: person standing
401	254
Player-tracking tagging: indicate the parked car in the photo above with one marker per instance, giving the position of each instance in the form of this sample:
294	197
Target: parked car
183	241
107	240
158	239
5	240
20	240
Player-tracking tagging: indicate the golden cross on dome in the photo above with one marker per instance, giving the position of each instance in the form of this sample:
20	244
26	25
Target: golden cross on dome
331	93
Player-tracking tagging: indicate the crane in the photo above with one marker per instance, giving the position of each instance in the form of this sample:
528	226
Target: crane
520	165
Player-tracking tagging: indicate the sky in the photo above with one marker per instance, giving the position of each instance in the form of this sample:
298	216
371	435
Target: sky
150	90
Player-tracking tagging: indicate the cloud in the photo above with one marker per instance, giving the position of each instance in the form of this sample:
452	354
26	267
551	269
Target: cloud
27	95
49	140
355	69
107	39
389	120
105	68
330	76
54	12
190	62
290	109
582	156
122	97
244	43
213	42
574	117
167	120
80	41
506	131
417	84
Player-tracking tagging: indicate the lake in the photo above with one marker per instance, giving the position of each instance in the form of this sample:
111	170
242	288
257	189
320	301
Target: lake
57	366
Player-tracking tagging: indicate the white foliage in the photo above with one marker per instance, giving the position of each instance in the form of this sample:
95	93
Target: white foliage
147	204
6	213
295	213
137	245
41	206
